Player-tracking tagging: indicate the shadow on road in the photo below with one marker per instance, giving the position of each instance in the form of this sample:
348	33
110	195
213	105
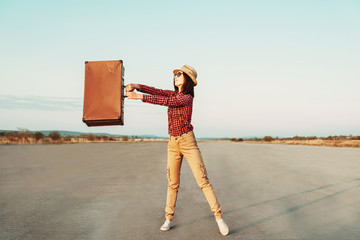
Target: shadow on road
291	195
284	212
291	209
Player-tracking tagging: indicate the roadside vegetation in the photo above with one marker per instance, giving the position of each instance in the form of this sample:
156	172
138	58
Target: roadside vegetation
332	141
24	136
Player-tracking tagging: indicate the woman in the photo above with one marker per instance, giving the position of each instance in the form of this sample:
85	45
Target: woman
182	140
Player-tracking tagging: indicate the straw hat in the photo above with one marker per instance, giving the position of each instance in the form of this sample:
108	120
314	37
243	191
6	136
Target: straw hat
190	71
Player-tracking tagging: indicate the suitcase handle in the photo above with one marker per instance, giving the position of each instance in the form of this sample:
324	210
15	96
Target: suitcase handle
123	86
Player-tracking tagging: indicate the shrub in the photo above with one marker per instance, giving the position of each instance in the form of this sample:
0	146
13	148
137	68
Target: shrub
268	139
23	132
236	139
54	135
105	138
11	136
355	138
330	138
38	135
90	137
82	136
67	138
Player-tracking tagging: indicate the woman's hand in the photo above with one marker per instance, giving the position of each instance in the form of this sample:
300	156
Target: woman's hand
131	87
132	95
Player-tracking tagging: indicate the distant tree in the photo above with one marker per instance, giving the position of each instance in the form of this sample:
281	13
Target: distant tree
83	136
67	138
355	138
125	138
54	135
23	133
268	139
105	138
236	139
23	130
38	135
90	137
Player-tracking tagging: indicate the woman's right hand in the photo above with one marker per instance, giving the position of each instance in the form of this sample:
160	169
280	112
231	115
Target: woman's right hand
131	87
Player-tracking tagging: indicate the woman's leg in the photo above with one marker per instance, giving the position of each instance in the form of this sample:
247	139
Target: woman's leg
173	176
188	146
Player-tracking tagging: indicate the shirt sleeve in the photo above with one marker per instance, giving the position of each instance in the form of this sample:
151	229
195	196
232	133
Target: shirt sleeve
155	91
174	101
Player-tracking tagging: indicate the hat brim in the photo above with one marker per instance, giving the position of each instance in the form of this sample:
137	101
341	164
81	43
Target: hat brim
192	78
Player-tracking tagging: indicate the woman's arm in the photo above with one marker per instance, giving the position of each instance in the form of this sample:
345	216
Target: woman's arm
175	101
150	90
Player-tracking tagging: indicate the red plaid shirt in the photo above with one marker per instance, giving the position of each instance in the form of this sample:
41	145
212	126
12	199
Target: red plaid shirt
179	107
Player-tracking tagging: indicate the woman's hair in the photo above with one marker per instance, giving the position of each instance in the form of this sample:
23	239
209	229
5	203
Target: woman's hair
188	87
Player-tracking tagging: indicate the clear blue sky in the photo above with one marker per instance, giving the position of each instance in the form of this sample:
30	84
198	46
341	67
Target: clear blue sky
279	68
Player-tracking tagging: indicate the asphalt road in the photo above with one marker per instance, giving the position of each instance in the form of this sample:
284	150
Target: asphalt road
118	190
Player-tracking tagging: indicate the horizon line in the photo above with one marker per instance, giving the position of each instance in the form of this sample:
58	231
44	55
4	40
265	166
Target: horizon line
153	135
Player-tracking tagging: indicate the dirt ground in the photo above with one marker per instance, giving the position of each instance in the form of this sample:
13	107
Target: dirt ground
118	190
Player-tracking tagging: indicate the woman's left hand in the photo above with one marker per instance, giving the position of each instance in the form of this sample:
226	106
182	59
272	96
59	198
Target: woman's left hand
131	87
133	95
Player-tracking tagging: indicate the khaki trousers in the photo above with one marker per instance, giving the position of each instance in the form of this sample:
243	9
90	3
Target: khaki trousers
186	145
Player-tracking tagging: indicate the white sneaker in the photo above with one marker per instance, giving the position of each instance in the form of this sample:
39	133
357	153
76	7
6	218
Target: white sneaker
223	227
167	225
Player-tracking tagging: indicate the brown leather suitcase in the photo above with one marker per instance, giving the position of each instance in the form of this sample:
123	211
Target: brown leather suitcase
104	93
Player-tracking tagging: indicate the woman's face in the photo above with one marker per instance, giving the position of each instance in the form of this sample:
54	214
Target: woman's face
179	79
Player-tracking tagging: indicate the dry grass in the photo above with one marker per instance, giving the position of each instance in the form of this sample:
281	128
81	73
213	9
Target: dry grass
29	140
21	139
314	142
